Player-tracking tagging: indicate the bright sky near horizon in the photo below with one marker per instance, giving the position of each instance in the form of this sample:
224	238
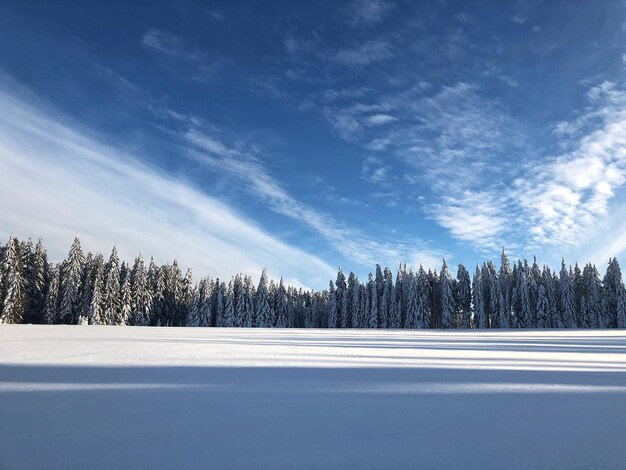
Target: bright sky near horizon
301	136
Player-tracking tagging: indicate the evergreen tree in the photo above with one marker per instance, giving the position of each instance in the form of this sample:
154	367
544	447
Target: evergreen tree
15	297
71	276
413	319
262	307
96	314
127	306
373	304
480	320
612	287
448	307
342	298
331	307
355	317
112	290
142	292
568	305
248	315
51	314
542	308
422	291
463	296
282	306
37	281
228	320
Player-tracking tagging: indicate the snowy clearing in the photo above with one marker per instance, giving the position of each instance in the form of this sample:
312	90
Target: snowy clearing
124	397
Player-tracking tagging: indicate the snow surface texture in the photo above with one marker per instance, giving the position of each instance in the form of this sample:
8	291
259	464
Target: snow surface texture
131	397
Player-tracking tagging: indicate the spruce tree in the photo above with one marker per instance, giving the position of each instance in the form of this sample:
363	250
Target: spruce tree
71	276
331	307
568	306
464	296
262	307
15	297
480	320
228	319
282	307
127	305
142	292
448	307
51	314
96	314
112	289
373	304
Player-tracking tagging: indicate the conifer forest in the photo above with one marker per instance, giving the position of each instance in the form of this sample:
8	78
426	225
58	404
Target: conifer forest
89	289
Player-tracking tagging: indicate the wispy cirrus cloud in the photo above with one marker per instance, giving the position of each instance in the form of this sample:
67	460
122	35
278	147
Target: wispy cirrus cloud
364	54
369	12
139	207
355	245
180	57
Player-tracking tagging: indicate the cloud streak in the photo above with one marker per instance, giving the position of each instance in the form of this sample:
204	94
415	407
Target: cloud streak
56	181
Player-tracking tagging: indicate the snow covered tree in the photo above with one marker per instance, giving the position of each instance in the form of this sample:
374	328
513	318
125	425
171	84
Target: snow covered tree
413	319
331	306
342	298
142	292
542	308
228	319
71	276
262	306
15	297
96	313
463	296
282	307
37	281
51	313
112	290
372	295
200	310
127	305
248	315
422	291
621	309
240	301
480	320
612	287
568	305
448	307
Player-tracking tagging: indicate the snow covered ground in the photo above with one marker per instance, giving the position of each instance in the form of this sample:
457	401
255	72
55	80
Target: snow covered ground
124	397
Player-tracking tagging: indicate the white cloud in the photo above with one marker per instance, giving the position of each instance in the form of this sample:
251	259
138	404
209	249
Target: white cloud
380	119
367	12
353	244
519	19
365	54
56	182
203	68
475	217
567	194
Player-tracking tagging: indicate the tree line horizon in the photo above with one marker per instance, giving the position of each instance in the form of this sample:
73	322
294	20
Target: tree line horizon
86	289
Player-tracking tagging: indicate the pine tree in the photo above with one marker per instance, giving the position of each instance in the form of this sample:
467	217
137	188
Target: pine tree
342	298
355	316
112	290
96	314
542	308
422	291
505	288
15	297
373	304
347	320
331	307
282	306
448	307
127	305
612	287
37	281
143	294
413	319
228	319
249	315
71	276
200	310
621	309
568	306
240	302
480	320
51	314
262	307
464	296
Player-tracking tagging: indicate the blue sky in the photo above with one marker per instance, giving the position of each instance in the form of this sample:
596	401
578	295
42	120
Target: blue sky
306	135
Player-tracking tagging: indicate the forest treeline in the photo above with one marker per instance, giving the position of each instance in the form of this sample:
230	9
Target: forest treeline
87	289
